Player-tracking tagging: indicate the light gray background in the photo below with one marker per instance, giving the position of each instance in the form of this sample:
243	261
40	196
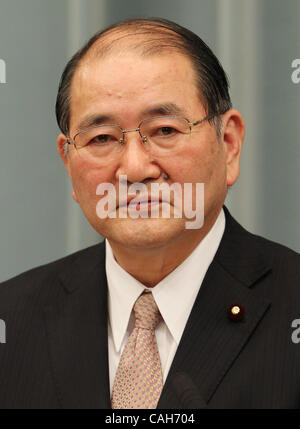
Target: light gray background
256	40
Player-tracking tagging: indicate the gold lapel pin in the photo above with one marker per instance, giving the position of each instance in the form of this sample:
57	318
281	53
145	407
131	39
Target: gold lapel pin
236	312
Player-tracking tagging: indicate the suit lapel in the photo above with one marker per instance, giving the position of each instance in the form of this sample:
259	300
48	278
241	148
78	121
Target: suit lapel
76	326
211	340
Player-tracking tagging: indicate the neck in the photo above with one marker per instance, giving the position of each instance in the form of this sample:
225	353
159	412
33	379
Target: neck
150	265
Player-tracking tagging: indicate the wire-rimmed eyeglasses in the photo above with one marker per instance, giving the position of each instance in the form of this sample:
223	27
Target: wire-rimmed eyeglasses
161	135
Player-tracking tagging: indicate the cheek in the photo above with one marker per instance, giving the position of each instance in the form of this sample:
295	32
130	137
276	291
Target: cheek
86	178
196	164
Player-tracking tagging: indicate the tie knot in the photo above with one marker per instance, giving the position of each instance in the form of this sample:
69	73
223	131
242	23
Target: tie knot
147	315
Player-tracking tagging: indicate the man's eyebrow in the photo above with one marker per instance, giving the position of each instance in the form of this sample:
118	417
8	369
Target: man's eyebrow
91	120
164	109
159	109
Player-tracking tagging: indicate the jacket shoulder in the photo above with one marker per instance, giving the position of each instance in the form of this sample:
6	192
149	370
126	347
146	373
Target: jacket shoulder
248	256
33	279
243	239
276	249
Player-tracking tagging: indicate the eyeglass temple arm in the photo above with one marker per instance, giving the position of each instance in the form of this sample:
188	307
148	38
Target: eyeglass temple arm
207	118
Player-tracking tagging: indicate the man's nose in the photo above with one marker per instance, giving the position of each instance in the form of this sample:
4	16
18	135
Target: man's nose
136	161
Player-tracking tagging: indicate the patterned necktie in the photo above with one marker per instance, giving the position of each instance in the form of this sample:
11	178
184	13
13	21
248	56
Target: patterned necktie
138	382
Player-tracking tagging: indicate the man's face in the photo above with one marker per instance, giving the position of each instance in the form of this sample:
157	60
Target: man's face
129	88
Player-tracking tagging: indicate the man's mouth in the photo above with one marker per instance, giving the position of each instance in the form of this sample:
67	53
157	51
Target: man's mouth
145	204
141	204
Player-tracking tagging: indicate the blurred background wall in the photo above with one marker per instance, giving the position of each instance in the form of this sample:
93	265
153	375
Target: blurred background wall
256	41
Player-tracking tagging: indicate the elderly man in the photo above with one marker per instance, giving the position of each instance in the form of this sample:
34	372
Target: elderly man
163	314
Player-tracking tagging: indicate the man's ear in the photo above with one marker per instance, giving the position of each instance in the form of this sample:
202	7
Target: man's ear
61	145
64	155
233	133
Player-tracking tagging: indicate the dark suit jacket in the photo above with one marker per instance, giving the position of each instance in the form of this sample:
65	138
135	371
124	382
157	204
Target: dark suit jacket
56	355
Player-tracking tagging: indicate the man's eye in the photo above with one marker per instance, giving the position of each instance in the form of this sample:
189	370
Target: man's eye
166	131
103	139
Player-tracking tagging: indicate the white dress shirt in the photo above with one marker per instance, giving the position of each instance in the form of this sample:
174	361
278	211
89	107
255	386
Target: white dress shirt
174	296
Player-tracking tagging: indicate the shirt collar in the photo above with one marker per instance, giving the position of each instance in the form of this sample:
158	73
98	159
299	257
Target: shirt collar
174	295
123	291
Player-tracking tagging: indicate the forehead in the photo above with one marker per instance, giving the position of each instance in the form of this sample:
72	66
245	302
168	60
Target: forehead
125	84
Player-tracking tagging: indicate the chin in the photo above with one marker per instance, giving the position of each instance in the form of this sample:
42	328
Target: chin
143	233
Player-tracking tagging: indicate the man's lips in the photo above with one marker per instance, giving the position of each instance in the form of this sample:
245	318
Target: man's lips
141	201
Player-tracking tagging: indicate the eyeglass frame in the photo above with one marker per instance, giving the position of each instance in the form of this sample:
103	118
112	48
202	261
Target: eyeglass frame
144	138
